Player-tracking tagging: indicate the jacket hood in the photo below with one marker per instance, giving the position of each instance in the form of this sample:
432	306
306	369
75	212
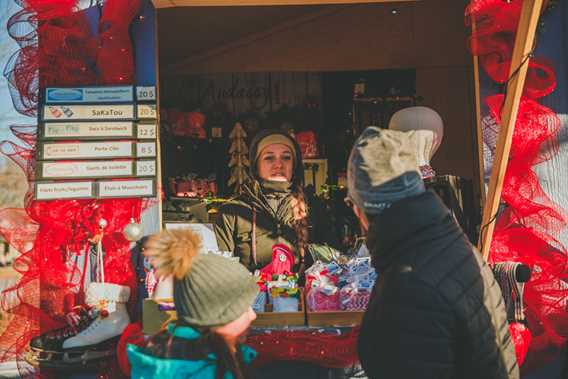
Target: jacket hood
298	171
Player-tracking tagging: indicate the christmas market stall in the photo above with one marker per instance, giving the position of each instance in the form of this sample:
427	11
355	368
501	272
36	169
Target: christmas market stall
148	118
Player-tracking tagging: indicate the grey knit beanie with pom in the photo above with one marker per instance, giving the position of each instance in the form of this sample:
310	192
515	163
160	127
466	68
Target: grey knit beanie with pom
209	290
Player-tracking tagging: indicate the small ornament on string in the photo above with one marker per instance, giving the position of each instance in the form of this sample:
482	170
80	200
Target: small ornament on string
133	231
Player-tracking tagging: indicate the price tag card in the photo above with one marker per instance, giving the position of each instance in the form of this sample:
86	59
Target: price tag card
127	188
216	132
88	112
145	149
105	94
87	130
89	169
84	150
65	190
146	131
146	167
147	112
147	93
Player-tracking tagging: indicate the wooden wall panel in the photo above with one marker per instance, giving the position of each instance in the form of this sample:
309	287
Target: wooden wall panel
440	34
448	90
357	37
236	3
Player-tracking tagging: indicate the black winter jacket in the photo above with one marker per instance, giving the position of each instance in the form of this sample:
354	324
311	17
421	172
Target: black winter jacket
436	310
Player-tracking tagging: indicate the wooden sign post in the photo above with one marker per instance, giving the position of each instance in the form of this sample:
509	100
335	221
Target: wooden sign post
524	40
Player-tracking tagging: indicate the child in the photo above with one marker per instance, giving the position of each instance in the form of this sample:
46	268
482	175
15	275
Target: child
213	297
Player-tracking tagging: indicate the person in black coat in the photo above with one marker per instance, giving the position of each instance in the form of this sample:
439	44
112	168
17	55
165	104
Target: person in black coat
436	309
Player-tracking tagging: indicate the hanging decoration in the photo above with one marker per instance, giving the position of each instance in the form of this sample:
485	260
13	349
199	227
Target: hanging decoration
53	236
239	162
526	227
133	231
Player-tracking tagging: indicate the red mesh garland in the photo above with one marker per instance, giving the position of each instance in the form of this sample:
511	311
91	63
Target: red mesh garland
525	230
115	57
494	26
57	49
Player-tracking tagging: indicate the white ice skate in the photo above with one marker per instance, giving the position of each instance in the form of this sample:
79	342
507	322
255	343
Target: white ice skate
93	338
110	300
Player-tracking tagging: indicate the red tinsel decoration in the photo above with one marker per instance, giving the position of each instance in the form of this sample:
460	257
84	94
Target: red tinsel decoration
57	49
522	339
526	228
334	350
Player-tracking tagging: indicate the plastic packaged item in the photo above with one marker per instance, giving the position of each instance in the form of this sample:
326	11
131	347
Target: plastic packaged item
285	304
323	298
259	302
353	298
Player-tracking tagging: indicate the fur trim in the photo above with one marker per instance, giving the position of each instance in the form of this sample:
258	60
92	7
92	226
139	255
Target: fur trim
171	252
98	291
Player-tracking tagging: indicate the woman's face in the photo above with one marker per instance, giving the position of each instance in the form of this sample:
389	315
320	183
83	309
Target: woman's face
235	331
276	163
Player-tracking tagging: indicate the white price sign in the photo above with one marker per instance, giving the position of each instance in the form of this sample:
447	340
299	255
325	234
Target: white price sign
77	150
88	112
146	131
89	169
146	93
146	168
147	111
126	188
86	130
145	149
69	190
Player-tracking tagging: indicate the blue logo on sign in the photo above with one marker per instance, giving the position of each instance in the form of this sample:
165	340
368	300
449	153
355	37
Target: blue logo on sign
64	94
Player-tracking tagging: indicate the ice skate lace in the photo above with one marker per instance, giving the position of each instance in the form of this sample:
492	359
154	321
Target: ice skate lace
100	316
94	326
77	320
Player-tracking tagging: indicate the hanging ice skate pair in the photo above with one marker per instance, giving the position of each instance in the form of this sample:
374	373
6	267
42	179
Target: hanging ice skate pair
93	329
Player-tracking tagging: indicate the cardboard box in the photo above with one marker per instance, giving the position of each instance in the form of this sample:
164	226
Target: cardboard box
270	319
334	318
153	318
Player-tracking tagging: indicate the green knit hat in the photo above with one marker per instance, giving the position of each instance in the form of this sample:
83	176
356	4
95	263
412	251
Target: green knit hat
209	290
216	291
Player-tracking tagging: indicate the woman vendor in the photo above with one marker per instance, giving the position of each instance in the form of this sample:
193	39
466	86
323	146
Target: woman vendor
271	209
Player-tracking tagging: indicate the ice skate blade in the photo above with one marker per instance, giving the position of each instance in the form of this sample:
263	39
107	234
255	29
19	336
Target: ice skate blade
86	357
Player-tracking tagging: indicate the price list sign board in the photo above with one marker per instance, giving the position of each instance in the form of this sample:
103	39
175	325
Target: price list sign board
97	142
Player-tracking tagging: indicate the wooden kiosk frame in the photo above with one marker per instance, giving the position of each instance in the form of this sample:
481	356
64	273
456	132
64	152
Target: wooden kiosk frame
525	36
